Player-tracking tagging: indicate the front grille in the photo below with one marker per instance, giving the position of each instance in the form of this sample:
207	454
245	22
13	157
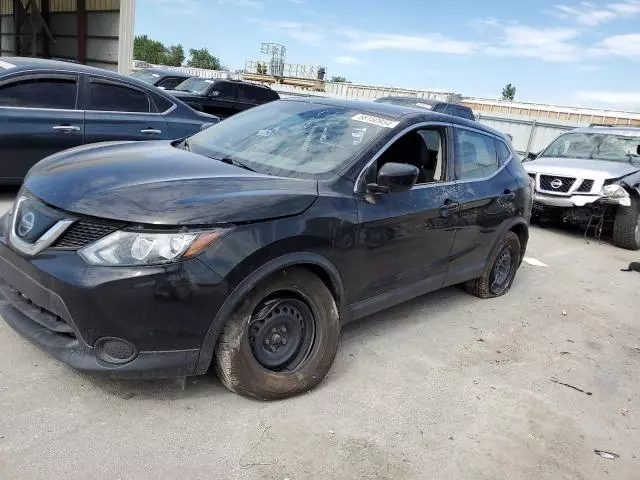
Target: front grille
585	186
551	183
83	233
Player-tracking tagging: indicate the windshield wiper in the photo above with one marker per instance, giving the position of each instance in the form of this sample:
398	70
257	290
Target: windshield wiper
233	161
633	158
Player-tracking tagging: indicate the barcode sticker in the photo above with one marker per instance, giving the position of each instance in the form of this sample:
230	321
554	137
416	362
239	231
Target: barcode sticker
373	120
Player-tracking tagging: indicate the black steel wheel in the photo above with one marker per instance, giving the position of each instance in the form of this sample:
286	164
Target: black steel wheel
281	333
500	270
282	339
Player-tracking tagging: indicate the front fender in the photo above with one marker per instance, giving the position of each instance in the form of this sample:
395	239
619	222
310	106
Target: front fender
261	273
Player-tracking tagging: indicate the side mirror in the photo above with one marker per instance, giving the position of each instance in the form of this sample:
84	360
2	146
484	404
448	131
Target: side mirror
638	149
214	93
531	156
394	178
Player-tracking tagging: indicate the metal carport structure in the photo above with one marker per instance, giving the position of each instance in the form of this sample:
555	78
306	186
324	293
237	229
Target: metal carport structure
93	32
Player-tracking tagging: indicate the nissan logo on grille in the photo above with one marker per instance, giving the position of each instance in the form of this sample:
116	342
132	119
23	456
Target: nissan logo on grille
27	221
556	183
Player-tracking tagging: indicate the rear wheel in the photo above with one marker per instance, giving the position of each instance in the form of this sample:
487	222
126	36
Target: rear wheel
282	339
626	229
500	271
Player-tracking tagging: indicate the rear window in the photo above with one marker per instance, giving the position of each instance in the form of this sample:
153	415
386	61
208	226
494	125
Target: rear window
53	93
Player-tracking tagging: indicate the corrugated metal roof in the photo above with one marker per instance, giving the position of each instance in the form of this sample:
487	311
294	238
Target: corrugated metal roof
6	6
101	5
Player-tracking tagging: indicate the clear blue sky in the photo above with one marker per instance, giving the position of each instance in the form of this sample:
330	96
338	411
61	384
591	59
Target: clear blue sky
560	51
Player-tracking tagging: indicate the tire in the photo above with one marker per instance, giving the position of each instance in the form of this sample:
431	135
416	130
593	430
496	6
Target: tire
482	286
626	229
236	361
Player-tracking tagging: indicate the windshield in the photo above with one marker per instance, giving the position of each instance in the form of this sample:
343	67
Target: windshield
195	85
596	146
146	76
292	139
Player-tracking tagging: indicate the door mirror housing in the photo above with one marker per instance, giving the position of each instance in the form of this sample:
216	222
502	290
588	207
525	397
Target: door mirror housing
395	178
214	93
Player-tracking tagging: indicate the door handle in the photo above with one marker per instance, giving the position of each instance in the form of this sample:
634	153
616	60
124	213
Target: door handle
449	207
151	131
507	197
66	128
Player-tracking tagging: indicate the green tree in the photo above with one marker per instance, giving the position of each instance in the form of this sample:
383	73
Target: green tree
508	92
148	50
175	55
339	80
201	58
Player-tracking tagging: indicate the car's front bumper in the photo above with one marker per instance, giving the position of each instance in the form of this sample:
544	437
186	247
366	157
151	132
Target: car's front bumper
571	201
66	307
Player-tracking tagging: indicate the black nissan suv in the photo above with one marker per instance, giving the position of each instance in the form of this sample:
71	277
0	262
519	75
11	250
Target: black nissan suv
247	246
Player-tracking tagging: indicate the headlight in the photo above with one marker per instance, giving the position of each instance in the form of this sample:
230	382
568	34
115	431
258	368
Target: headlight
128	248
614	191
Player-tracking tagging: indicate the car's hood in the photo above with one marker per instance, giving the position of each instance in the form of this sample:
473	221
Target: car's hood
580	167
156	183
182	94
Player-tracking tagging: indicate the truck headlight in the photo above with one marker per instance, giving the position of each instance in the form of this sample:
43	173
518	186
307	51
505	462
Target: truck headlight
133	248
616	192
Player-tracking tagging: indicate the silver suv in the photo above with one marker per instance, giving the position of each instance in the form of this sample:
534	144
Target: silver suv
591	177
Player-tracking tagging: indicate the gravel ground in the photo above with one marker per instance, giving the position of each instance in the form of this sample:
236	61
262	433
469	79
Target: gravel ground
444	387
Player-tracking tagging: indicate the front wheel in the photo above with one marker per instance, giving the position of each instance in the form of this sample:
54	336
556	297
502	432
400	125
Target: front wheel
282	339
626	229
500	271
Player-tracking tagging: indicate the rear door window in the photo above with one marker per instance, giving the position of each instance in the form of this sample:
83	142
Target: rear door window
503	151
40	92
226	90
112	97
476	155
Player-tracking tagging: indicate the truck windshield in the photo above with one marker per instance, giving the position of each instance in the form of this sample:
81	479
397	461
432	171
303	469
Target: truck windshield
291	138
595	146
146	76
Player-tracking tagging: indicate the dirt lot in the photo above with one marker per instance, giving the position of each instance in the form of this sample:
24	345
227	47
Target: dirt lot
444	387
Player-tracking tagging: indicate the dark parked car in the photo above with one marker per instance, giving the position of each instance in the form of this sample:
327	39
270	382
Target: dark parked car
247	246
47	106
161	78
222	98
454	109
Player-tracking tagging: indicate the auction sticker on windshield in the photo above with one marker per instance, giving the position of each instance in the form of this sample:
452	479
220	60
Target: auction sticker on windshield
373	120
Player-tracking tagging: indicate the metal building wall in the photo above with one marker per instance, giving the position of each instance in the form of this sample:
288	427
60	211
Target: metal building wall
95	32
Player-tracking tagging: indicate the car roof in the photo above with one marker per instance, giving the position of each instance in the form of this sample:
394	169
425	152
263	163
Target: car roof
167	72
21	64
396	112
426	101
